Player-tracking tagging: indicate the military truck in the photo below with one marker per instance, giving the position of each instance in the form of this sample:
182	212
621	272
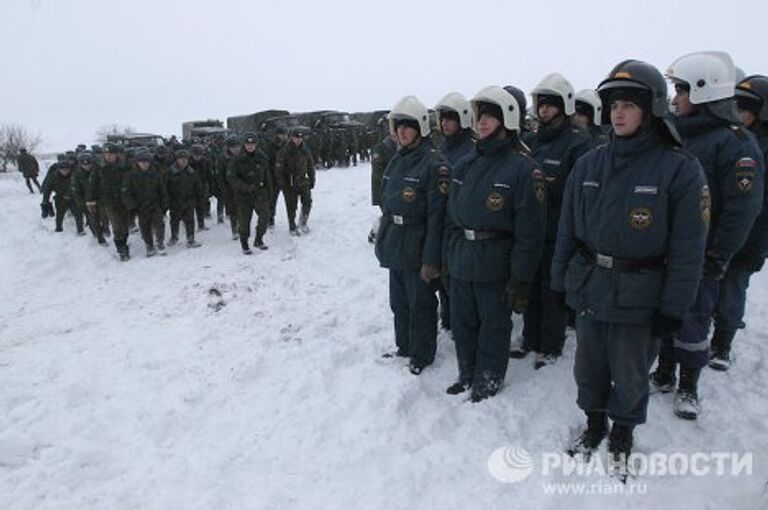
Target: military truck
203	129
135	140
332	118
253	121
289	122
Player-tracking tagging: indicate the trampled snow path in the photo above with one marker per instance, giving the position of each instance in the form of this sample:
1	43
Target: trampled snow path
129	385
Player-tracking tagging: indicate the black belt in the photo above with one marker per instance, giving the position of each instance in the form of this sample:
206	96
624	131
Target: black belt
482	235
620	264
401	220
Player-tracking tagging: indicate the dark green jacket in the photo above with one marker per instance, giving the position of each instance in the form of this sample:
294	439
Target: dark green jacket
106	184
294	168
145	191
28	165
80	180
203	168
248	174
382	154
57	183
184	188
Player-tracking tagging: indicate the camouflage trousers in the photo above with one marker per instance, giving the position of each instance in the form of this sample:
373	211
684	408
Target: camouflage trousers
246	205
119	219
152	221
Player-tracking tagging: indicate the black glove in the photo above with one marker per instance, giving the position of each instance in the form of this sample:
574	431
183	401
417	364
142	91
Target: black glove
715	266
516	295
746	260
663	326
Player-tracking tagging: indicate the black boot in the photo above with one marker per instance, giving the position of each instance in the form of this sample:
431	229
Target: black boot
244	246
488	387
686	403
663	379
620	448
720	349
122	250
590	439
259	243
459	386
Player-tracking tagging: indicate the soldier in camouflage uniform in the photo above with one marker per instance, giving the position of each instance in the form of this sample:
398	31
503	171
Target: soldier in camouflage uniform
58	183
295	172
80	177
144	192
202	167
233	148
185	194
248	175
28	166
271	148
104	191
382	153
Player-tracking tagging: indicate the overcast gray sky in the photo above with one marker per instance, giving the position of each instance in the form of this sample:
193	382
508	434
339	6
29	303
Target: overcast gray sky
72	66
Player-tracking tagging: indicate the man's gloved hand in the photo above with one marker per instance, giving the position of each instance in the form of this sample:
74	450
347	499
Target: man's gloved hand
663	326
746	260
428	273
715	266
516	295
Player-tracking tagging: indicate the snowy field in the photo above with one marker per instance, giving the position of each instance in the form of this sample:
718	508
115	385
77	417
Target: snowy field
132	385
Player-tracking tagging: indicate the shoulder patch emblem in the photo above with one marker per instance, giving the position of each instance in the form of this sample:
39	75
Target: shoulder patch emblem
705	206
495	201
408	194
745	173
640	218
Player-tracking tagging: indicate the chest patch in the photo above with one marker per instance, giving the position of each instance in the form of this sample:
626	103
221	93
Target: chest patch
640	218
408	194
495	201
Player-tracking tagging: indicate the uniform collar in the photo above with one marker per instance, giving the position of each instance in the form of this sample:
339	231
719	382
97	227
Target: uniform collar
693	125
494	146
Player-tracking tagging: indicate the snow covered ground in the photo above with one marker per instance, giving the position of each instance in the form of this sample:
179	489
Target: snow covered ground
132	385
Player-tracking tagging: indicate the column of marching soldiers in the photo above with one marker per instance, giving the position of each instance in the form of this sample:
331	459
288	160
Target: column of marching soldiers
635	221
132	189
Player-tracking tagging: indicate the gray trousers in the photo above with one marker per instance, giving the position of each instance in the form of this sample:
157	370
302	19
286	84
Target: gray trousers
611	369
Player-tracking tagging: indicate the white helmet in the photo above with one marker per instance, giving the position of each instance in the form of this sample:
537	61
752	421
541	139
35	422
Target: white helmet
556	85
456	102
510	110
410	107
740	74
590	97
710	74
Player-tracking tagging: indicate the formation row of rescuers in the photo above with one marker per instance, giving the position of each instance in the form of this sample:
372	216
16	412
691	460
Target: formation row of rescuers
647	232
